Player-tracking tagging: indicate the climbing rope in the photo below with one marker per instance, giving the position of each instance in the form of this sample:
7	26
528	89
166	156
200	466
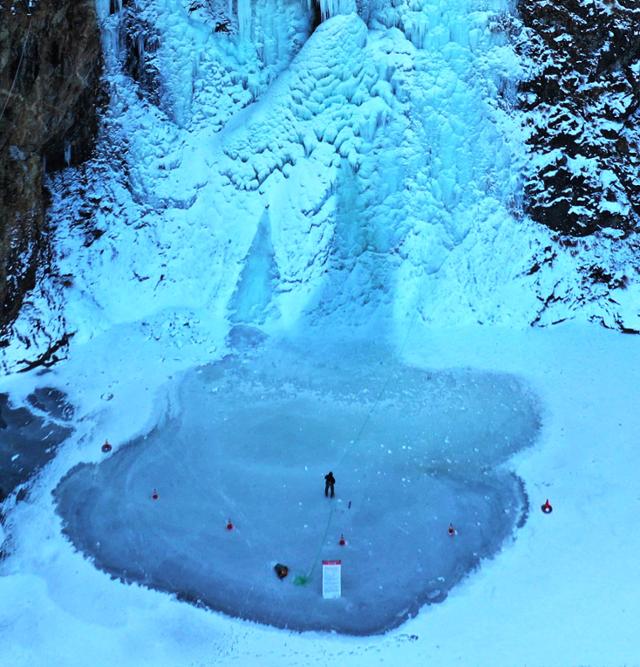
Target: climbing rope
304	579
15	76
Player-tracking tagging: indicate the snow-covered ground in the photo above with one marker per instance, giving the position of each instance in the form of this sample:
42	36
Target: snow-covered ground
561	594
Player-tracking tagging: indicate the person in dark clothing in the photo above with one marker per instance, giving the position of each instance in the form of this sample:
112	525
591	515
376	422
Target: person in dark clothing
329	483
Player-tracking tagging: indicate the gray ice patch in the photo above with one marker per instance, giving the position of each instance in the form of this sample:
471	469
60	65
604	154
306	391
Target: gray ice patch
29	437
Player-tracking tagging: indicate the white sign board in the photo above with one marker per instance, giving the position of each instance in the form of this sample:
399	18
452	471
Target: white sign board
331	579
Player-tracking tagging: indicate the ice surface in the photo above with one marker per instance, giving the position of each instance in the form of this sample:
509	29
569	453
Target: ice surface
27	440
249	438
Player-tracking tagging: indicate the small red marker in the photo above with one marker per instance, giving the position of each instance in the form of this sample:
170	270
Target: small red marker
155	495
342	541
106	448
451	530
546	508
229	525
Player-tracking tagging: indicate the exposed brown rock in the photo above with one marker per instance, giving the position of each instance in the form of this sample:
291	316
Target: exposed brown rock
50	66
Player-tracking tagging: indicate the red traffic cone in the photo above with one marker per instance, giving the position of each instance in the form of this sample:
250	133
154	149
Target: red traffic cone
451	530
229	525
546	508
155	495
342	541
106	448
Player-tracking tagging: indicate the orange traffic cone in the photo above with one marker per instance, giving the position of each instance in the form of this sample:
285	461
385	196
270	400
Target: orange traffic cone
155	495
106	448
342	541
451	530
229	525
546	508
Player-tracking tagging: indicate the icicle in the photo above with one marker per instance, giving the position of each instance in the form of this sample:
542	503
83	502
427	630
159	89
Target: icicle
102	9
244	18
67	154
140	48
330	8
105	8
111	40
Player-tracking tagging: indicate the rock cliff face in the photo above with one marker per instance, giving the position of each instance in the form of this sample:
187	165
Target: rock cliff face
50	66
583	98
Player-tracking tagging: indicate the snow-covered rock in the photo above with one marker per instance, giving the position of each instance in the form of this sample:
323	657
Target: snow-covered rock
582	98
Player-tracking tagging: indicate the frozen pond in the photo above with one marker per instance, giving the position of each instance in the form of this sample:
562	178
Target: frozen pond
250	439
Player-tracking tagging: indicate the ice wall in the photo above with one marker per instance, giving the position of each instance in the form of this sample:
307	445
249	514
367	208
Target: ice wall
385	145
382	144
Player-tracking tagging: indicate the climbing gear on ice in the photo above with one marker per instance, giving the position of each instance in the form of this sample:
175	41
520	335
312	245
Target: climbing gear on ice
106	448
546	508
155	495
281	570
